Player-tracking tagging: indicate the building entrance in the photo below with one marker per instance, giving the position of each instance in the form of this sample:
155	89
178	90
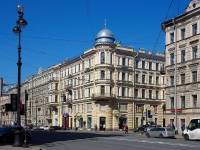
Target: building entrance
102	121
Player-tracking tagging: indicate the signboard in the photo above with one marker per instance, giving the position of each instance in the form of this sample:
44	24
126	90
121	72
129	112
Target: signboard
145	114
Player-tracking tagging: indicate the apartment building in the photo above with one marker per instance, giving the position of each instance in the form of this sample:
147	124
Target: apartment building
149	87
182	65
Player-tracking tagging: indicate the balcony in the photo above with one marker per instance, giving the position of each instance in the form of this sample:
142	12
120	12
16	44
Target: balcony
69	101
68	87
103	96
162	71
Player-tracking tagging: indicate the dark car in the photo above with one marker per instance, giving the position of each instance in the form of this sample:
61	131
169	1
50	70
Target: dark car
142	128
7	134
54	128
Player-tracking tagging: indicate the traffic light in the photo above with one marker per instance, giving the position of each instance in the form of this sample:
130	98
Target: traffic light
149	114
22	109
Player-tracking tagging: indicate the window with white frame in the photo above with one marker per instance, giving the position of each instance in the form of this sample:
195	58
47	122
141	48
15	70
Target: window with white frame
150	80
194	29
143	64
136	93
102	57
150	94
123	76
136	63
102	90
157	65
194	52
157	80
194	98
143	79
150	65
139	108
123	91
182	101
137	78
123	61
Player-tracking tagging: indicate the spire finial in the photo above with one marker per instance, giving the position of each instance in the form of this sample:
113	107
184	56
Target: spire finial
105	24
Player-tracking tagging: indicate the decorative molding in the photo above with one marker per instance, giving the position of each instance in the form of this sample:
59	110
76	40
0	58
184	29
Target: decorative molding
182	45
171	49
193	67
194	41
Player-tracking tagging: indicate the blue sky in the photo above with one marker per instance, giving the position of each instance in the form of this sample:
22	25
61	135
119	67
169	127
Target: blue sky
66	28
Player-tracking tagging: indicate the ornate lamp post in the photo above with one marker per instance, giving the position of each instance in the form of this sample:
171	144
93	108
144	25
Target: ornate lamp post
21	22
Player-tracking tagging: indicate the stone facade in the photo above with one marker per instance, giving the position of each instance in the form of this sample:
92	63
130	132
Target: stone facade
185	39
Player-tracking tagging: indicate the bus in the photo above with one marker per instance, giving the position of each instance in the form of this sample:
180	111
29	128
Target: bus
192	131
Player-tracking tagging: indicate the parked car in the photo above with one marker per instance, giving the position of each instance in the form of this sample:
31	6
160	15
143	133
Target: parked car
46	128
36	128
160	132
7	134
54	128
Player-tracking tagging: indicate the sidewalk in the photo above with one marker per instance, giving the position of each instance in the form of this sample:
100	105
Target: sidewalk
9	147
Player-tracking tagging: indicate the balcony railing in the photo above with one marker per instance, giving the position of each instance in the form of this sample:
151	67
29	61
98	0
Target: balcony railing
162	70
103	96
68	87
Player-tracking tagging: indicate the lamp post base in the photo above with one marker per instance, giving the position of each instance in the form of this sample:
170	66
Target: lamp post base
25	145
18	137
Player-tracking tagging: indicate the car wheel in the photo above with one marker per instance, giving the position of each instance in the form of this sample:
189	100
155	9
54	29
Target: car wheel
161	136
186	137
147	135
5	139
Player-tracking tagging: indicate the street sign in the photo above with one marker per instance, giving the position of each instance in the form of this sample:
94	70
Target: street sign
65	114
145	114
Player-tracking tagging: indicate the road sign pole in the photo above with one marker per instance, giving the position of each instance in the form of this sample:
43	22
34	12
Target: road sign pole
146	117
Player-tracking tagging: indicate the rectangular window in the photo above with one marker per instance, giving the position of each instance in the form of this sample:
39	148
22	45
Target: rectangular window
143	64
78	94
136	63
182	101
89	107
150	65
143	93
182	34
194	97
150	94
118	60
182	78
171	37
172	80
136	93
194	29
194	76
123	61
137	78
102	74
183	56
110	75
123	91
172	58
82	93
89	92
123	107
143	79
157	66
102	90
157	80
123	76
150	79
194	52
172	102
139	108
157	95
74	94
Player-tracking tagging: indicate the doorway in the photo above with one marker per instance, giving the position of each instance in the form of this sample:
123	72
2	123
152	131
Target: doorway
102	121
80	123
71	123
89	122
122	122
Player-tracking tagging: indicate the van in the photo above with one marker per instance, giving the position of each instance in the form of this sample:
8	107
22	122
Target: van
192	131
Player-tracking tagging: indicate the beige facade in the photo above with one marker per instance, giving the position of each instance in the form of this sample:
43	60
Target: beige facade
182	36
98	87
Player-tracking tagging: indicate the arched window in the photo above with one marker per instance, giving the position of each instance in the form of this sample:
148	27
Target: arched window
102	58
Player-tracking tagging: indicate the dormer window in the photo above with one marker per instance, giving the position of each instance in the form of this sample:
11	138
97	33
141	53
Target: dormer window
194	29
102	58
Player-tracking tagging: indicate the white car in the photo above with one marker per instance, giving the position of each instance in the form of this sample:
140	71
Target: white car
46	128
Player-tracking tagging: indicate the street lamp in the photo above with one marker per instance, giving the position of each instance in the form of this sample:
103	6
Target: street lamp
21	22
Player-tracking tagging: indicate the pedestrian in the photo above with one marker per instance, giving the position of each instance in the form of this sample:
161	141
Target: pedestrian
104	127
183	128
126	129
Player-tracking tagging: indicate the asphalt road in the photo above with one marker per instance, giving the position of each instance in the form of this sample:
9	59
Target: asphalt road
80	140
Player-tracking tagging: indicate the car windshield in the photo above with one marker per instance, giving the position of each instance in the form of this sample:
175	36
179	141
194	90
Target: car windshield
170	129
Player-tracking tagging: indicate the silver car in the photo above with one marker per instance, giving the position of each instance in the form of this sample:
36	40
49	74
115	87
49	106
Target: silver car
160	132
